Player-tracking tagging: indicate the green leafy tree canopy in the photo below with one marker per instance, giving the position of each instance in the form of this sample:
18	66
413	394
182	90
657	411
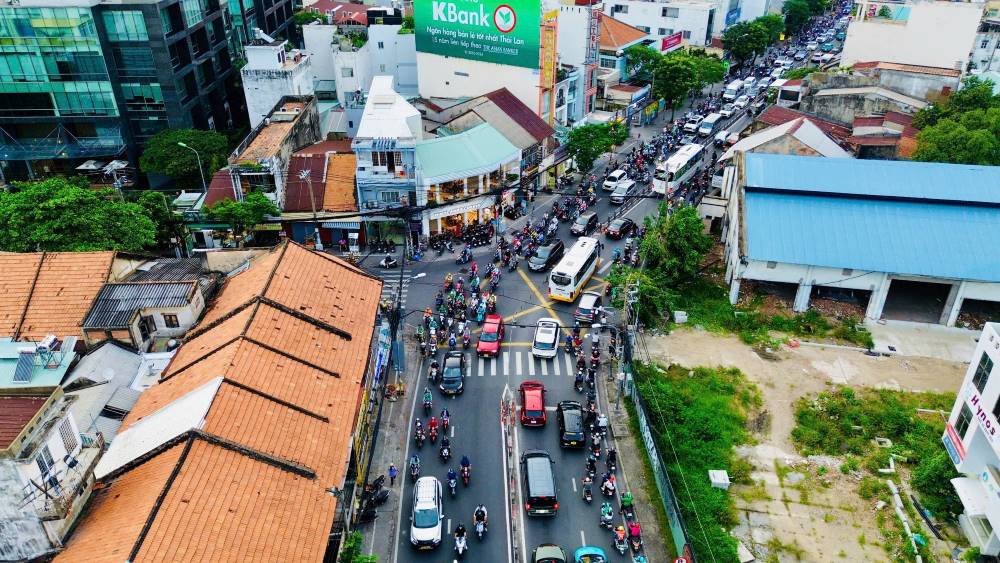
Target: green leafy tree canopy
57	214
746	40
164	156
588	142
964	128
157	207
241	215
640	61
674	77
797	13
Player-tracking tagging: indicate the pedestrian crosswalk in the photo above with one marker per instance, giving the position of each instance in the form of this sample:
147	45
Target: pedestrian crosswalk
390	286
522	363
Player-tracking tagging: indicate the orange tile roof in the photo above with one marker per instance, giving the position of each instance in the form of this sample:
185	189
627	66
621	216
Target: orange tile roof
290	337
617	34
44	293
340	193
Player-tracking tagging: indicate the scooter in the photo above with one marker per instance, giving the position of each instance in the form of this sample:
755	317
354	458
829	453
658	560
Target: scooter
453	486
419	438
466	476
427	407
480	529
607	521
414	471
636	542
433	434
461	546
588	493
621	544
578	383
444	452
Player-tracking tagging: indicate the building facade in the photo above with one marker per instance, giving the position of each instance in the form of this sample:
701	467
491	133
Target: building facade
271	73
94	80
972	441
696	20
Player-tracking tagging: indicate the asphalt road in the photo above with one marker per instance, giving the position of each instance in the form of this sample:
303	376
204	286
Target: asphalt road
475	414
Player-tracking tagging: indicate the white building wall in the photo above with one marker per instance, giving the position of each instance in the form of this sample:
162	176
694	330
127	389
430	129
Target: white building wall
939	34
394	54
352	70
692	18
269	74
318	41
571	39
753	9
53	441
450	77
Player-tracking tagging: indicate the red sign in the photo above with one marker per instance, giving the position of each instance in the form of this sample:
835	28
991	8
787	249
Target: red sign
671	42
956	441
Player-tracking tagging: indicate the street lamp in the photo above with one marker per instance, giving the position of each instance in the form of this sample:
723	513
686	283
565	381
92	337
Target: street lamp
201	171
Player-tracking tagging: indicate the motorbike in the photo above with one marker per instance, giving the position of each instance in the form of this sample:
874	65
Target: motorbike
464	258
621	544
608	489
445	422
433	434
428	405
419	438
629	513
367	513
595	448
466	476
636	542
444	453
414	471
388	262
480	529
578	383
453	485
432	374
466	339
461	546
607	521
588	493
374	493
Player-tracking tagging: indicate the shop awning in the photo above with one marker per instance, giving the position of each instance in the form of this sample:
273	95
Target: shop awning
972	494
341	224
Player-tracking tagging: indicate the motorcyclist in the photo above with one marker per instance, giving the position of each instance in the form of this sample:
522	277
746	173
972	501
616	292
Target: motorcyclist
576	329
606	511
619	533
445	417
452	475
613	457
432	424
634	530
460	531
418	426
591	464
481	515
428	396
452	341
415	462
466	464
626	499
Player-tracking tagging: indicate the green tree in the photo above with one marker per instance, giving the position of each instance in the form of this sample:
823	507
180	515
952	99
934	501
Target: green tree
951	141
640	61
351	551
673	78
588	142
241	215
157	207
709	69
164	156
801	72
775	26
306	17
675	245
884	12
745	40
932	479
797	14
58	214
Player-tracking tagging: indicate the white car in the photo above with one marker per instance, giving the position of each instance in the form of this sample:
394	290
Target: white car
776	73
817	57
812	46
691	126
546	342
425	521
742	102
613	180
827	58
784	62
727	110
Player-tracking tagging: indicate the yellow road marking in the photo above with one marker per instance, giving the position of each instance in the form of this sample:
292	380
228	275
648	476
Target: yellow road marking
518	344
546	304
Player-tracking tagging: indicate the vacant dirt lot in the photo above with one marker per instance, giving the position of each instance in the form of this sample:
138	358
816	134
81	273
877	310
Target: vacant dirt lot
798	511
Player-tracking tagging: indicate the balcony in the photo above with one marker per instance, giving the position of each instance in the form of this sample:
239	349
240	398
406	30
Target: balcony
77	477
60	143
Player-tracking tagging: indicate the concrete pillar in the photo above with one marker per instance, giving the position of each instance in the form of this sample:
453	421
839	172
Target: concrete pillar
953	304
877	300
802	295
734	291
425	225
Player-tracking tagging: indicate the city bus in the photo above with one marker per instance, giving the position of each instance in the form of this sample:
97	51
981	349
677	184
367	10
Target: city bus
572	273
677	169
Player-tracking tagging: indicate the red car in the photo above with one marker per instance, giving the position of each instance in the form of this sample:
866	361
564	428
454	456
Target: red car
532	403
491	336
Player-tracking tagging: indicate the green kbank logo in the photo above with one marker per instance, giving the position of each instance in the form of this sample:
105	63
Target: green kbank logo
503	18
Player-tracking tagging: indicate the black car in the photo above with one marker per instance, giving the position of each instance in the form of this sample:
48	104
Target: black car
546	256
621	227
453	374
570	417
584	224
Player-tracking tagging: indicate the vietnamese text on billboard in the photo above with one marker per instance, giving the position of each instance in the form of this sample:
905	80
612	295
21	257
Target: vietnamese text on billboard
494	31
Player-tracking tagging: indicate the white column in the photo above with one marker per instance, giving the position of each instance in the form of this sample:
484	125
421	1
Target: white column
956	297
877	300
425	224
734	290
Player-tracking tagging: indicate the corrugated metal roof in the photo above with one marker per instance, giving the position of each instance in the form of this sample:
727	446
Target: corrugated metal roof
520	113
117	302
168	269
890	179
481	149
879	235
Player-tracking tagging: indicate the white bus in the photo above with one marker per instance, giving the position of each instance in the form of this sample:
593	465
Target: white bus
681	165
574	270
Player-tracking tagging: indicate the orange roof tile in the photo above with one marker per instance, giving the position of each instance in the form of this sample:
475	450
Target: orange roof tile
290	337
340	194
117	512
44	293
617	34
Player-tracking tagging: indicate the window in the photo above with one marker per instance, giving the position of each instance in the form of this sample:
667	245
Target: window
642	28
983	369
347	72
609	62
984	44
380	45
619	9
665	31
772	265
388	197
381	68
142	97
170	321
194	11
686	34
44	460
847	272
670	12
964	419
125	26
389	160
68	436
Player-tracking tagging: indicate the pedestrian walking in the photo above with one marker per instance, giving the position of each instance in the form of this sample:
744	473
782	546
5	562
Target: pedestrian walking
393	472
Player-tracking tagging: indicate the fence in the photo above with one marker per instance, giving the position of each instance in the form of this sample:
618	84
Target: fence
678	529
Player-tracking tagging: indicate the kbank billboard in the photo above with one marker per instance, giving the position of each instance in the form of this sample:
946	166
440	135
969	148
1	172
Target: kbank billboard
495	31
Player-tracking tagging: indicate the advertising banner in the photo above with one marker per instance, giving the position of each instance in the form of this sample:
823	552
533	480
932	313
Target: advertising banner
671	42
548	62
494	31
732	16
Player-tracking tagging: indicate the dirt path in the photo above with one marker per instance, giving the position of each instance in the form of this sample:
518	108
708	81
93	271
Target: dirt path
806	517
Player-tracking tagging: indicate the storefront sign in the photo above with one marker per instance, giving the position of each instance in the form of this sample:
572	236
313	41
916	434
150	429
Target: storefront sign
671	42
953	443
548	64
982	415
494	31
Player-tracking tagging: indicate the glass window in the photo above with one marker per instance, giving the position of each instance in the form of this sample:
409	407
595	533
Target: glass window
170	321
68	436
983	369
389	197
964	419
670	12
347	72
134	62
194	11
686	35
142	97
643	28
125	26
44	460
609	62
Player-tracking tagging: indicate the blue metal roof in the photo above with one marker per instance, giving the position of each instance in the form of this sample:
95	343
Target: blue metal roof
896	179
899	237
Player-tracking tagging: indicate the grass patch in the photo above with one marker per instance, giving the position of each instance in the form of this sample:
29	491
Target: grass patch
707	304
845	422
649	481
705	414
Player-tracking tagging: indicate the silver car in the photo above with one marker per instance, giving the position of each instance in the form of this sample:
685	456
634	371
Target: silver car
425	521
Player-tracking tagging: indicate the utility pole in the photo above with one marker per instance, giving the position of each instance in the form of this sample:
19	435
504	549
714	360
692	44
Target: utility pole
630	324
304	175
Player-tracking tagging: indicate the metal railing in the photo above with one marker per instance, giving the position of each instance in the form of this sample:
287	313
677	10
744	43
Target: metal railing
507	422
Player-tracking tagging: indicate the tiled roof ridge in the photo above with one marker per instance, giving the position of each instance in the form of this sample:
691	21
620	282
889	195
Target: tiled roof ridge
27	300
273	399
198	331
267	283
341	262
292	357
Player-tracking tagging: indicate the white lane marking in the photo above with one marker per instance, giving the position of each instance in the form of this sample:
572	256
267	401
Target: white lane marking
480	374
574	483
451	427
583	538
569	364
517	363
606	266
555	367
506	363
449	525
531	367
493	367
545	367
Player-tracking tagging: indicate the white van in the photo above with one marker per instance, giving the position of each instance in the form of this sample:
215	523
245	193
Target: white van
733	90
708	126
750	82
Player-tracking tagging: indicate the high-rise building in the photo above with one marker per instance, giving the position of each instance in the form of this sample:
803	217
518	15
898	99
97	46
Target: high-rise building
93	80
